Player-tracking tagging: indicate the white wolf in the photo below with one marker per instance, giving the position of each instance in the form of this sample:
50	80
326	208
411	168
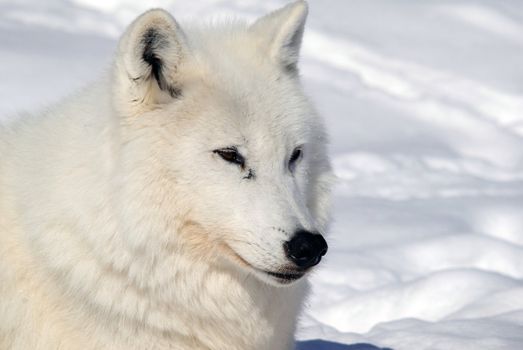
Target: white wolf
175	204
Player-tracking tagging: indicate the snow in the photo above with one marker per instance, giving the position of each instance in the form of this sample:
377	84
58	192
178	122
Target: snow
424	102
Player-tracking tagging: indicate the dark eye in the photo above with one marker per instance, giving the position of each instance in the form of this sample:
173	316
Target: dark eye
295	156
231	155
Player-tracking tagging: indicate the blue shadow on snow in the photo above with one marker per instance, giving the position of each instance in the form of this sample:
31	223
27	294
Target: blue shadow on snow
328	345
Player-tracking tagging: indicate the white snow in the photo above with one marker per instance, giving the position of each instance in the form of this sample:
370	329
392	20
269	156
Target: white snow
424	102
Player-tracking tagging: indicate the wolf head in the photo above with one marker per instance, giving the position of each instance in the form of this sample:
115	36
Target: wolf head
222	144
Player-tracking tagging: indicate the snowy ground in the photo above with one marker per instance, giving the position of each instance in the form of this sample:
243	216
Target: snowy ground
424	101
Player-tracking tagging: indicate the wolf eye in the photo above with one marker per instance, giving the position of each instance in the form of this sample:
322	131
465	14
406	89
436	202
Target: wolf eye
296	155
231	155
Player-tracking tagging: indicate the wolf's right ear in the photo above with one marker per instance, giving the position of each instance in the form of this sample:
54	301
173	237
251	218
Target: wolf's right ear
149	57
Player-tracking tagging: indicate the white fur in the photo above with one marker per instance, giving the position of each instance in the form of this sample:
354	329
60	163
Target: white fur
121	229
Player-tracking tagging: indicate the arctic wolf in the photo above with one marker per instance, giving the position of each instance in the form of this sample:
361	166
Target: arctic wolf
178	203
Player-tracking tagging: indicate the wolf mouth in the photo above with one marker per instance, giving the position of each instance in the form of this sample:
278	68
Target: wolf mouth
286	277
282	277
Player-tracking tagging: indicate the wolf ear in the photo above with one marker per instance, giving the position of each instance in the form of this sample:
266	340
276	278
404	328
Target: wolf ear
149	57
282	32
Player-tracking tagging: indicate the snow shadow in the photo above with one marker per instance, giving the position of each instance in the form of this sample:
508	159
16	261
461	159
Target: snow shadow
328	345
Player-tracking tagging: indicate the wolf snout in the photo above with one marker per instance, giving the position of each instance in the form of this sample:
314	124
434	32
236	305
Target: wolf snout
305	248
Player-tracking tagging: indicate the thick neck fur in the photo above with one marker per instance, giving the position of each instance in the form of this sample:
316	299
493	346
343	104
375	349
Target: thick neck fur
106	255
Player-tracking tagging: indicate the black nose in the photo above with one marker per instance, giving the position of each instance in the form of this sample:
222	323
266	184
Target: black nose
305	249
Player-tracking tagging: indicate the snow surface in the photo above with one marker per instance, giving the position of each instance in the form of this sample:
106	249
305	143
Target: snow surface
424	102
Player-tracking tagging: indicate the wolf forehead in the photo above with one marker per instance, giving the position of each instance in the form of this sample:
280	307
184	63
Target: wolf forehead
232	65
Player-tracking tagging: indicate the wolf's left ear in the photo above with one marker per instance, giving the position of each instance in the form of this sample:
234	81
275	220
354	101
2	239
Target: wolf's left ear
282	32
149	57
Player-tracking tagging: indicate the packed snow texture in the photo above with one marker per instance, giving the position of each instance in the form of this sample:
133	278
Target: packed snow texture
424	103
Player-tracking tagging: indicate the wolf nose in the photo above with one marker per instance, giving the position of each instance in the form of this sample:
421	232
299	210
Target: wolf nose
305	249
